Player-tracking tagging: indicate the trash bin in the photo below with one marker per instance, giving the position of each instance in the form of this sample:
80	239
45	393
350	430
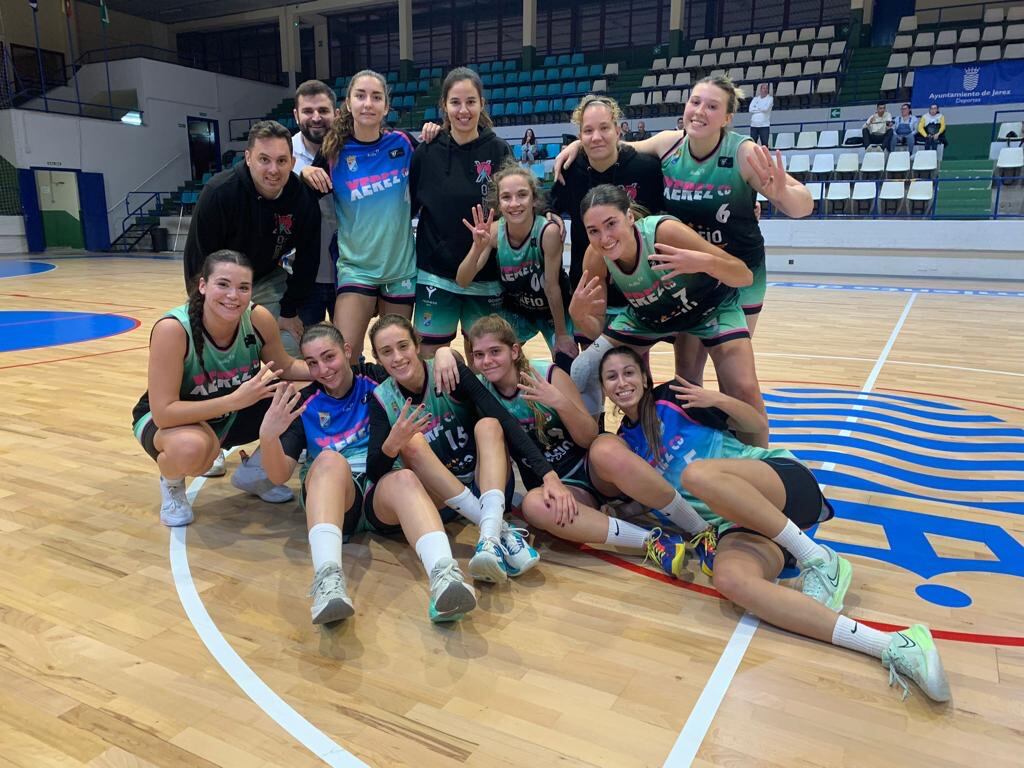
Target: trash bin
160	239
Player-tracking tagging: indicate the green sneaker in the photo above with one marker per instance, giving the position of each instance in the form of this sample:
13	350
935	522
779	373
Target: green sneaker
827	582
912	652
451	597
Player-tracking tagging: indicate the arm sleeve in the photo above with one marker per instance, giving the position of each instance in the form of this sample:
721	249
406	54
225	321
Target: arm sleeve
715	418
520	445
307	257
207	225
318	162
378	463
371	371
414	176
559	198
293	441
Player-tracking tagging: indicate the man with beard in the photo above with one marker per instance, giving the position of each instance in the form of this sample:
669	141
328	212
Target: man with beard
315	110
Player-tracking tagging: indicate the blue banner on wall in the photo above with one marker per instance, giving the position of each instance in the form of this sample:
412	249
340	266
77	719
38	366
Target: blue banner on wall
997	82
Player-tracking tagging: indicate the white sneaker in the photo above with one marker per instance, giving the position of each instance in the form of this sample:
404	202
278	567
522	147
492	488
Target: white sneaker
174	507
488	564
330	598
217	469
451	597
251	478
519	556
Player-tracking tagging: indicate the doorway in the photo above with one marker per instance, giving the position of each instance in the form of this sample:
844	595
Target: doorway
60	209
203	146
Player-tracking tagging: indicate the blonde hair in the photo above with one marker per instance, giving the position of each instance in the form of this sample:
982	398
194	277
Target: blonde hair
344	126
725	83
589	100
512	168
499	328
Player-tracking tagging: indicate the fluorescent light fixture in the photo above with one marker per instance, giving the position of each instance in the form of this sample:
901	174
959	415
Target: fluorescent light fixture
132	118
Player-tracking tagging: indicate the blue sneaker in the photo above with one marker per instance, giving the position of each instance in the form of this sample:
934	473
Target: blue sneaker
519	556
488	563
703	546
668	550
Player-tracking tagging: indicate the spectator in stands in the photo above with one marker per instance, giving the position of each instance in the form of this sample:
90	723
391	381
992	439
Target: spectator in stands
529	152
261	209
904	129
640	133
680	123
877	129
624	130
760	116
315	111
931	128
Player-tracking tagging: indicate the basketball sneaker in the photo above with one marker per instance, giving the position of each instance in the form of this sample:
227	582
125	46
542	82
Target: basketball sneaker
703	546
451	597
912	652
330	598
174	507
516	551
488	564
667	550
217	469
251	478
827	582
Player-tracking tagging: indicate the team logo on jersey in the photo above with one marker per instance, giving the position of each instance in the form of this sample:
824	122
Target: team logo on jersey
250	339
325	419
428	318
430	290
283	223
397	152
483	170
631	190
350	160
725	162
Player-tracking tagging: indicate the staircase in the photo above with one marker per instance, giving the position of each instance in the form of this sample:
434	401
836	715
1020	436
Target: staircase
862	82
966	157
182	200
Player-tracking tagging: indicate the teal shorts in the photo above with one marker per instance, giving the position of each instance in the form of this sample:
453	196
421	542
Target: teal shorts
725	323
401	291
439	312
752	296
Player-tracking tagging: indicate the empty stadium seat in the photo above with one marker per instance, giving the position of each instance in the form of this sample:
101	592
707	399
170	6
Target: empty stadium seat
863	197
970	36
828	139
924	40
814	188
674	96
966	55
780	53
837	48
785	93
746	90
807	33
600	86
762	55
770	38
744	57
734	41
908	24
785	140
1014	32
898	61
665	80
800	52
838	197
890	197
693	61
1012	131
946	38
1010	161
726	59
872	165
702	45
819	51
682	79
659	64
611	69
831	67
1014	51
751	40
823	167
787	36
926	163
990	53
755	73
649	81
994	16
827	32
852	137
773	72
898	164
735	74
1015	14
799	166
920	59
847	165
792	70
920	196
676	63
890	85
942	57
992	34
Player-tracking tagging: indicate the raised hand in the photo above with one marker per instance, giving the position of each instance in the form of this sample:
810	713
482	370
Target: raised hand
588	300
282	412
536	388
261	386
480	228
676	261
769	170
411	421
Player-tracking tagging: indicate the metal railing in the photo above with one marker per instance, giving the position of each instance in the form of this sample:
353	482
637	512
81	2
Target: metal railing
98	110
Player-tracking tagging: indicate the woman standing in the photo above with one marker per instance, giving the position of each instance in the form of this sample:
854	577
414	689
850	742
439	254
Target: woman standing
368	169
448	178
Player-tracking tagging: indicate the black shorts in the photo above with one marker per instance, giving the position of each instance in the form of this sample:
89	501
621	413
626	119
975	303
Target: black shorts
244	429
805	504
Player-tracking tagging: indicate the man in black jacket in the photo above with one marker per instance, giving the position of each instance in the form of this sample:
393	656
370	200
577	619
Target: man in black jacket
261	209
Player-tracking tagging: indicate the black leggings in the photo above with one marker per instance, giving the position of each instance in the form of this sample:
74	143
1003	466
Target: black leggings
244	429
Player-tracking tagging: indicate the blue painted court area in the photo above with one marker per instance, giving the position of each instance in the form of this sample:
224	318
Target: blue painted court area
44	328
22	268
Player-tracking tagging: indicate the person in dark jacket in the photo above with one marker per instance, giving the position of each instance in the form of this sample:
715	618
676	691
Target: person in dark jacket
448	177
262	210
605	161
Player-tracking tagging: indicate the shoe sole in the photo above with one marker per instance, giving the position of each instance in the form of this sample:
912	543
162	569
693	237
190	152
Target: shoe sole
335	610
178	524
487	569
529	566
255	489
216	473
456	599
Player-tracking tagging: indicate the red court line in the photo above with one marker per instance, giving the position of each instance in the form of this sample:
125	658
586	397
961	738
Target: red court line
73	301
78	357
940	634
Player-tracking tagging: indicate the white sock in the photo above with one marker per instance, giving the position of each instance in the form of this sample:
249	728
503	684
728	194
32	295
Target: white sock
682	513
800	545
623	534
325	545
492	504
433	547
586	375
170	482
467	505
859	637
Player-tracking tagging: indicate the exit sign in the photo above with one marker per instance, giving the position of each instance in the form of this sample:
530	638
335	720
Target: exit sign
834	113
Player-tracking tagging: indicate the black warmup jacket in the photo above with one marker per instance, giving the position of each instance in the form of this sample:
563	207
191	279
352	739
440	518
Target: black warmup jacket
231	214
445	181
641	177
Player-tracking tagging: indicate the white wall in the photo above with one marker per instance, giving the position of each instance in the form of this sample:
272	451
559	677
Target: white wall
129	156
12	235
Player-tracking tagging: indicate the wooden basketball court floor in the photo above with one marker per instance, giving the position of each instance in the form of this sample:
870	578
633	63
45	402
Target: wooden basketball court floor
124	644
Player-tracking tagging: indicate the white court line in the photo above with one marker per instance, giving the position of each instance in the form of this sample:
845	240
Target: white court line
704	711
307	734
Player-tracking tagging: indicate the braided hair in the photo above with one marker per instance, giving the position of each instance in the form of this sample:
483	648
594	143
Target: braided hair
501	329
197	300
